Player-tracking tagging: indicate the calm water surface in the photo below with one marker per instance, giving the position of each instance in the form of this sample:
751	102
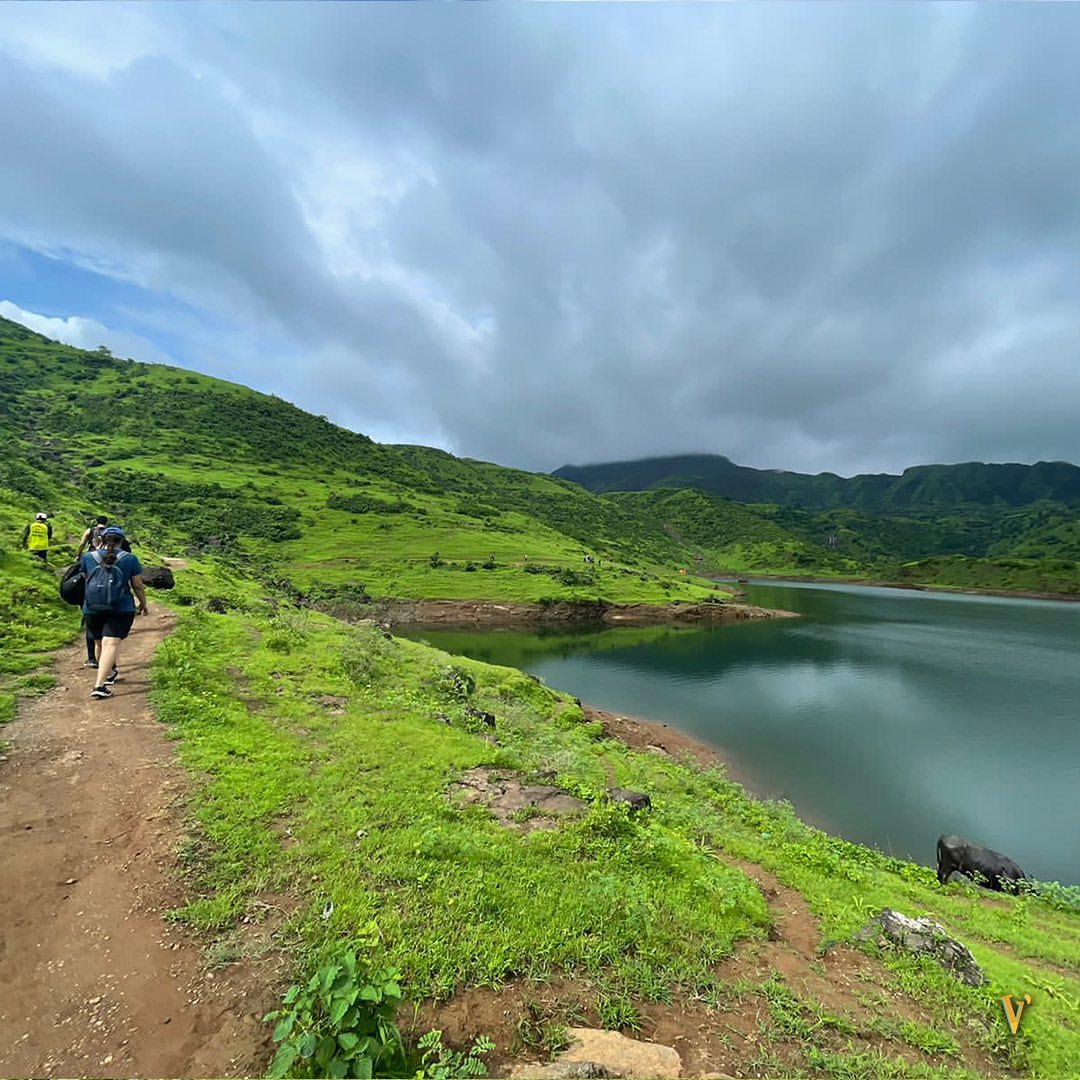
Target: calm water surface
884	716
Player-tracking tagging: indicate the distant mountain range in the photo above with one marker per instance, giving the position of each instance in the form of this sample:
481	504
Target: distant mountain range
922	487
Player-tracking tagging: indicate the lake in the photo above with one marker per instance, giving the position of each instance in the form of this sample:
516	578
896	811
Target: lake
884	716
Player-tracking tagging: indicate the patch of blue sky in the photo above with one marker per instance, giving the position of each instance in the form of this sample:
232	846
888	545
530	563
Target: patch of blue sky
61	287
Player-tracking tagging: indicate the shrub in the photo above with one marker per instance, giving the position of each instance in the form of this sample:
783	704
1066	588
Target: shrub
454	683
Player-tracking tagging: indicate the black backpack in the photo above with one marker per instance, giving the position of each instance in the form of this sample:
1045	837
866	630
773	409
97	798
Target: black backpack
73	584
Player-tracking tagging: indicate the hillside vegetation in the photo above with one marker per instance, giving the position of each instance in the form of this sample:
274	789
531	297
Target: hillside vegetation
922	487
990	526
330	763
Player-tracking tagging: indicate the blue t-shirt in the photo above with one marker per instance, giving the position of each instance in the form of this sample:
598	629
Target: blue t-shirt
128	564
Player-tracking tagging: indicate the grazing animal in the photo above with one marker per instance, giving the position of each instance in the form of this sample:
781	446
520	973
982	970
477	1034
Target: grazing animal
982	865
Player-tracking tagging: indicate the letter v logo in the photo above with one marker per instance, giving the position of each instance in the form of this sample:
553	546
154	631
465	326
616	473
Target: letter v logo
1012	1015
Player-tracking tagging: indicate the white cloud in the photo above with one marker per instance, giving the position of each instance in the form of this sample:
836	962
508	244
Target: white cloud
86	334
88	39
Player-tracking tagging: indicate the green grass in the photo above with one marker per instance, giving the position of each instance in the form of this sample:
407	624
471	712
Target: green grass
33	623
455	895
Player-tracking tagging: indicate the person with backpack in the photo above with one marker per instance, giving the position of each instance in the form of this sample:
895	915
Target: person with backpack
37	536
91	539
112	576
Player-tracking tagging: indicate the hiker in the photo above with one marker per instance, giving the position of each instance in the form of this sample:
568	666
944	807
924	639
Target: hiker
112	575
37	536
91	539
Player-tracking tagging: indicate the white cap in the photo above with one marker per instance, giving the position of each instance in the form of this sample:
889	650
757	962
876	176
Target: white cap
42	517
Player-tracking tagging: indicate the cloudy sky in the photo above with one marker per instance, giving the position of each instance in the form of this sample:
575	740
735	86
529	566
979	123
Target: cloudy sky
808	237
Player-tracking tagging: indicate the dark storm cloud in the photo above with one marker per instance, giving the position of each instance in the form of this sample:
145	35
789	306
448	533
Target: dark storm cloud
804	236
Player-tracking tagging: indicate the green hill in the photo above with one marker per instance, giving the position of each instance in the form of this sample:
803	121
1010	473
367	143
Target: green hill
922	487
997	526
198	466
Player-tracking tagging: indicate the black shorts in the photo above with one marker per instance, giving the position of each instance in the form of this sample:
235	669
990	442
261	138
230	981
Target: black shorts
115	624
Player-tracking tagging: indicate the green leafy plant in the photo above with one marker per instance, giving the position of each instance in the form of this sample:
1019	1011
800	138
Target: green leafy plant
454	683
439	1062
339	1024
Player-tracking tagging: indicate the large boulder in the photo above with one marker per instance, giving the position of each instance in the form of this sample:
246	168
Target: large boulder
924	937
158	577
594	1053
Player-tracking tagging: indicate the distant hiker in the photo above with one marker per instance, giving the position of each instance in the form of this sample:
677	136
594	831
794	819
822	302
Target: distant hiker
91	539
37	536
112	574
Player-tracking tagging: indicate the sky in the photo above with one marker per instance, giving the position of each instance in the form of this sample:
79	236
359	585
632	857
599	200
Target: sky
811	237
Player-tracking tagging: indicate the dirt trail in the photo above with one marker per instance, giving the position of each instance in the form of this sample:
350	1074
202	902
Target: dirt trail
92	980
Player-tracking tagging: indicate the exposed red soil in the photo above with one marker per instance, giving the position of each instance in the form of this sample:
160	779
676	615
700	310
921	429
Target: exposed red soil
593	612
93	980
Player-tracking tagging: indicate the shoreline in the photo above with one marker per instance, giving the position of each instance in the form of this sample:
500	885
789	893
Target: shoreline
655	736
496	613
948	590
641	734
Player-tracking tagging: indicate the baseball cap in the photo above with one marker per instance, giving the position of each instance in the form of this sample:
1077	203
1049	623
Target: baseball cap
42	517
112	530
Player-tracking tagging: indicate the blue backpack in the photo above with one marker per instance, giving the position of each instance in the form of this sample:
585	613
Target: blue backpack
105	584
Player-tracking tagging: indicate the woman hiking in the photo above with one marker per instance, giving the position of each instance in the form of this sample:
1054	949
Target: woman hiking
112	575
91	540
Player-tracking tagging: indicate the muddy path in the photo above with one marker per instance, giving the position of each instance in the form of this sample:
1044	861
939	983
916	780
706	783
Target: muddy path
93	980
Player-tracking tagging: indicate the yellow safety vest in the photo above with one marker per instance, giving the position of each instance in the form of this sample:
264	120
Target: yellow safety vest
38	540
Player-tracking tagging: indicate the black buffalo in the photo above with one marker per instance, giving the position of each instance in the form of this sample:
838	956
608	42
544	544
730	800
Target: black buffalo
982	865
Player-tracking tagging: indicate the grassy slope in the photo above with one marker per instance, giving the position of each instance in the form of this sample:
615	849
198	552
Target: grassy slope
333	740
301	727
